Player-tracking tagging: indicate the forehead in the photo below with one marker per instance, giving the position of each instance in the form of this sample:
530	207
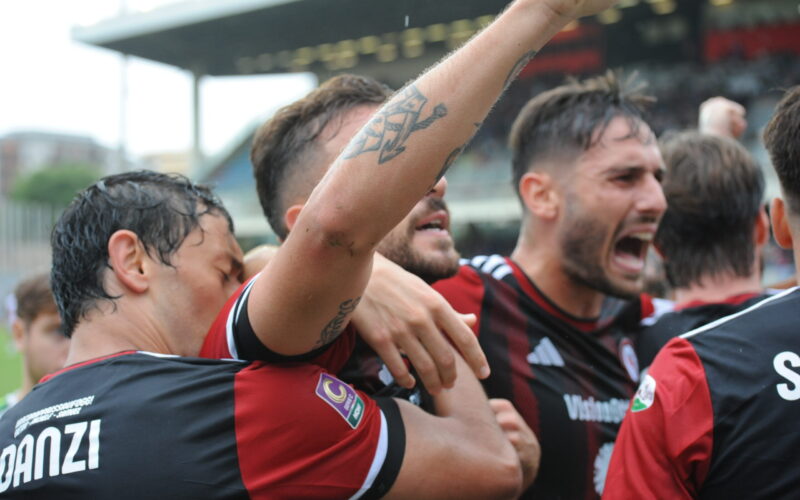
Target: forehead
212	239
618	146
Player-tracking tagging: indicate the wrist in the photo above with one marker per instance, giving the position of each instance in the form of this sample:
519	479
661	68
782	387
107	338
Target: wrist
549	13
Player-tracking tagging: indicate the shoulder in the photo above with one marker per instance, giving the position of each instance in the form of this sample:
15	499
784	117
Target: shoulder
766	318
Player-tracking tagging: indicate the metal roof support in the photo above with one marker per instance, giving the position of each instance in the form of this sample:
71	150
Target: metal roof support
197	149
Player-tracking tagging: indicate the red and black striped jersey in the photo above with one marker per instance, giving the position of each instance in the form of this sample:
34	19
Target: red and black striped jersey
717	413
570	378
137	425
231	336
685	318
349	357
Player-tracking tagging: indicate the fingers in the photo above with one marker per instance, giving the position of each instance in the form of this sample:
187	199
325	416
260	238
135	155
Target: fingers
393	359
506	415
721	116
457	328
431	356
520	436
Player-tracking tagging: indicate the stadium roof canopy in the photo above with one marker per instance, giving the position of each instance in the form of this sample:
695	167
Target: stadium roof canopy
227	37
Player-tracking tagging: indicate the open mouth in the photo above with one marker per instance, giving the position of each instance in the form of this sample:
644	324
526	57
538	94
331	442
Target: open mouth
437	222
630	251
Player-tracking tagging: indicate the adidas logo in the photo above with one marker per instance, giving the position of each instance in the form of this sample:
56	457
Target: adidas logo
545	354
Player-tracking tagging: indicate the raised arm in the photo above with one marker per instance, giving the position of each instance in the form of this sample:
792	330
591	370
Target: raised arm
316	279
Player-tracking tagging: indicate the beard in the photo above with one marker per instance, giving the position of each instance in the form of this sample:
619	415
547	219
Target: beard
431	265
582	247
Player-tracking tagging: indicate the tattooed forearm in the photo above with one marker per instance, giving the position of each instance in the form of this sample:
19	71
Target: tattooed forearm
391	127
334	328
523	61
451	158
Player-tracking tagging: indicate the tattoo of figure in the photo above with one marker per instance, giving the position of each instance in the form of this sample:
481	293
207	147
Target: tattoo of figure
521	63
334	328
391	127
451	158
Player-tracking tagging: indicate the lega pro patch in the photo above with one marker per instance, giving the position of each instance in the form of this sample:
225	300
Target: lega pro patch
646	394
342	398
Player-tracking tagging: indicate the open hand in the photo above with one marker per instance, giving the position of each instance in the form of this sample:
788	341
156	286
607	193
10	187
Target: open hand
400	314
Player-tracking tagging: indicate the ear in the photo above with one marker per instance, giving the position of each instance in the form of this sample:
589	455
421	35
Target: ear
128	260
538	193
18	334
780	223
290	217
761	228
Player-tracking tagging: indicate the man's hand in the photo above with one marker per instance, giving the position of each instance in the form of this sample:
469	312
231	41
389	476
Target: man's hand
574	9
723	117
400	314
521	437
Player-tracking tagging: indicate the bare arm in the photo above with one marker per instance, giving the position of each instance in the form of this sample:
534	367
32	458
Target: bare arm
317	278
463	443
401	314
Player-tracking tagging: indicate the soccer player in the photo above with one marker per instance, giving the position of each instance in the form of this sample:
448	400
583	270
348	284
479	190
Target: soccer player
714	417
587	170
143	262
36	330
711	236
291	153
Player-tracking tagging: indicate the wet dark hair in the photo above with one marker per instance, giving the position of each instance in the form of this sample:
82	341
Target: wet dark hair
782	140
160	209
566	121
280	145
714	190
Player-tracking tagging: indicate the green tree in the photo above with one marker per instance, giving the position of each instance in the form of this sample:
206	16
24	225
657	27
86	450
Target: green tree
55	185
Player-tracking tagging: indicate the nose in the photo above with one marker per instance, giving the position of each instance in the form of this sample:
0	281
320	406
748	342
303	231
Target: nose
439	188
652	200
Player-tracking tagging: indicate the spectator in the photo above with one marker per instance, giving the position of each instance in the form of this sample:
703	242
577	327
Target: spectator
36	330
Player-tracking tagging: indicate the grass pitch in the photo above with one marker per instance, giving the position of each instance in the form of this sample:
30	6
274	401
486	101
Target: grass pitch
10	364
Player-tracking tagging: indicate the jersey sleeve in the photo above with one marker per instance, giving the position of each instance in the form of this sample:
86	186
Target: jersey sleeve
464	292
231	336
302	433
664	446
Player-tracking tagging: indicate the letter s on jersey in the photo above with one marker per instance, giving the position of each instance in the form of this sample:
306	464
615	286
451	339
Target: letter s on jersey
780	363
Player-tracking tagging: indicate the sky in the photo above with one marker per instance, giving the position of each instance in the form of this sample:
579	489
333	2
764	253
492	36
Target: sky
49	82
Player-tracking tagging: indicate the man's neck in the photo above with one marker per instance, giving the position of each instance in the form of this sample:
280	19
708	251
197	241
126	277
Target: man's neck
105	334
546	271
719	288
27	385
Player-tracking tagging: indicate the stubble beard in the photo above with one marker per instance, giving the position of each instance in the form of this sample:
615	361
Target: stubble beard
582	259
432	266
